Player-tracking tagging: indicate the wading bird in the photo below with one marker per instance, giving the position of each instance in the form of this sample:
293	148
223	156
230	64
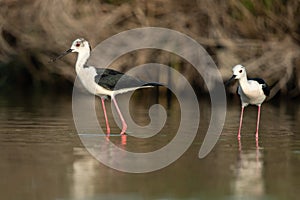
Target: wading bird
103	82
252	91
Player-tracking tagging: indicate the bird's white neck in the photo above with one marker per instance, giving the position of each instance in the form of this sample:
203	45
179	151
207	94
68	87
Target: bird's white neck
81	60
243	81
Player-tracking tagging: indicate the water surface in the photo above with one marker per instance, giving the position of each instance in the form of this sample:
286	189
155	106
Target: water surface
41	156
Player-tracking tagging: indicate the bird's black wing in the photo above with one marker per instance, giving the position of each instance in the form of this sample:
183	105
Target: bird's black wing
259	80
265	86
113	80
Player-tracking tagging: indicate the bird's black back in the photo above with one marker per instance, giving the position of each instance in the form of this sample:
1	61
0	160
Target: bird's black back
265	86
113	80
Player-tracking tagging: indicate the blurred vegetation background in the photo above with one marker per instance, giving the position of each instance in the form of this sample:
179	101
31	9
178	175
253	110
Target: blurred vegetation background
263	35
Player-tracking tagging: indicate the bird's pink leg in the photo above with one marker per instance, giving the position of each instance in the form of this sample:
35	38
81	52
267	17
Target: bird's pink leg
105	115
257	123
241	122
123	139
124	125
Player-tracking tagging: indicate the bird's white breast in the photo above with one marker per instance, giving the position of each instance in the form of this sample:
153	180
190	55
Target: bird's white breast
254	89
87	77
251	93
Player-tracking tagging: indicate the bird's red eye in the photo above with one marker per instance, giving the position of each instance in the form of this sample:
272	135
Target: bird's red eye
77	44
241	71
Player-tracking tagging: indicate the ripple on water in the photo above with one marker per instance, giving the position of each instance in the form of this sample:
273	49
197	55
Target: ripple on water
43	130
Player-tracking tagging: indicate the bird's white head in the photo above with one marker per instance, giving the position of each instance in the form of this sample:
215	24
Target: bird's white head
239	71
80	45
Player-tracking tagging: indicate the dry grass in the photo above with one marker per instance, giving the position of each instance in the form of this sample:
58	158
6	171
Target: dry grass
262	35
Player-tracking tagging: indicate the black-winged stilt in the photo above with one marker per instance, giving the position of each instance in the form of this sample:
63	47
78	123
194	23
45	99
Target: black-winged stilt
103	82
252	91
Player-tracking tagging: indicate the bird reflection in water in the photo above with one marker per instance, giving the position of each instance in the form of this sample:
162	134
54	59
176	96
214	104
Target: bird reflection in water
123	139
249	172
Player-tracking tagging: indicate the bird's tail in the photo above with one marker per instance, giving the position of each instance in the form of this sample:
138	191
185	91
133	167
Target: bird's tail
153	84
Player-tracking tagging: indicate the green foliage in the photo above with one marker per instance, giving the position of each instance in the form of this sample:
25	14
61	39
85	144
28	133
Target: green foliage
33	31
263	6
116	2
249	5
268	4
112	2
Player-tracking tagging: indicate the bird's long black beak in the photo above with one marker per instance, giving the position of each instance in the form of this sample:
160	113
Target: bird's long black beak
231	79
61	55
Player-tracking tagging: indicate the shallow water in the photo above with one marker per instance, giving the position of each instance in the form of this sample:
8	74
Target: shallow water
42	157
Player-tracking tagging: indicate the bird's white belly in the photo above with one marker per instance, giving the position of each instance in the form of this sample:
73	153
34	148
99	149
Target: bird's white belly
87	77
254	97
